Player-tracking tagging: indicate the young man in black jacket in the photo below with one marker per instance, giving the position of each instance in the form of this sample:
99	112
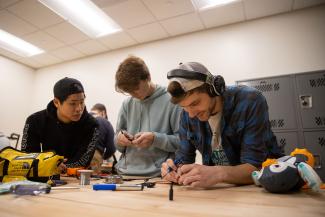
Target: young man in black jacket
64	126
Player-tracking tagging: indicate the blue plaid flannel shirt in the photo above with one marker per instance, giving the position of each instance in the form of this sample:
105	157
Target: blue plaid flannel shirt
245	130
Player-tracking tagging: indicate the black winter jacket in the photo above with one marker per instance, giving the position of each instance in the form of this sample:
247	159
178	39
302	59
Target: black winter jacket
75	141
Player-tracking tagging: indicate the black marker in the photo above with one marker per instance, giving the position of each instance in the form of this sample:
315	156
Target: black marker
171	191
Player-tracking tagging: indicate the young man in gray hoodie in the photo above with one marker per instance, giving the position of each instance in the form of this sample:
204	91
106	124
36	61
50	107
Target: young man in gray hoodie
147	125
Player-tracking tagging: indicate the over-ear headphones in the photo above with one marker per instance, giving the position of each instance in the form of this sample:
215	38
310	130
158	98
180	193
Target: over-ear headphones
216	83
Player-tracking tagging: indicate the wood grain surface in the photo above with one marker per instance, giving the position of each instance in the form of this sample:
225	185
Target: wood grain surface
221	200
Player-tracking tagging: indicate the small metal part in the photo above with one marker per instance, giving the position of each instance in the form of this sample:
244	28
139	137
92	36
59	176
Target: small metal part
114	179
149	184
85	176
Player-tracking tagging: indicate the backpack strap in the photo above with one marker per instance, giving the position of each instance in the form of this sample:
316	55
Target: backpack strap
34	166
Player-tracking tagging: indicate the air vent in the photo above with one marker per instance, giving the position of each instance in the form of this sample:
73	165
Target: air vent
276	86
277	123
263	87
317	82
282	142
320	121
321	141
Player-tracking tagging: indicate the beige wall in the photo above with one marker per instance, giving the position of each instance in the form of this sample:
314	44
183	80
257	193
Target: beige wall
16	91
276	45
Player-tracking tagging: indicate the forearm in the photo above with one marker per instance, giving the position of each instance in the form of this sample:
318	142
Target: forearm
239	175
165	142
84	156
30	140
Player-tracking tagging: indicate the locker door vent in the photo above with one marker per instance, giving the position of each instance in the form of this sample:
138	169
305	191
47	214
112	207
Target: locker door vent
263	87
276	86
321	141
277	123
320	121
282	142
318	82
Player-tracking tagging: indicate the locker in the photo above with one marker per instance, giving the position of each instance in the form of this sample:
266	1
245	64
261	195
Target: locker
315	143
279	93
297	112
287	140
310	91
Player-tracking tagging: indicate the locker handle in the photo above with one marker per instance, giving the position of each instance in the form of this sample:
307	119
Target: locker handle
306	101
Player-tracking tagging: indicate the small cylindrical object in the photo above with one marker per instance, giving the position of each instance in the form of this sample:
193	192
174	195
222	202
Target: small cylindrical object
85	176
171	192
118	187
114	179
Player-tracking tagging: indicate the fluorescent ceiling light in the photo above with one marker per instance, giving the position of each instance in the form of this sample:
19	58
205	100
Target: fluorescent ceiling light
17	45
207	4
84	15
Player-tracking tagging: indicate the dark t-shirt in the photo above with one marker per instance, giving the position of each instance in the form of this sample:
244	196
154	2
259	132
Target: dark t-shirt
105	144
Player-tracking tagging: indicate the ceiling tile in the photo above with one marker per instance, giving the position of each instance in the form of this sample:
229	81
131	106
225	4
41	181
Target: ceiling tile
130	13
183	24
46	59
67	33
43	40
6	3
262	8
9	54
117	40
67	53
90	47
163	9
148	32
226	14
298	4
107	3
32	11
31	62
14	25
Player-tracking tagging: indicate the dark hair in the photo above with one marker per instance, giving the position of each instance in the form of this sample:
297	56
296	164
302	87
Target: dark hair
129	74
178	94
100	107
65	87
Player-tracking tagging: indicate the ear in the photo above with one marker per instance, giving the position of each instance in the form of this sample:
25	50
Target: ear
56	102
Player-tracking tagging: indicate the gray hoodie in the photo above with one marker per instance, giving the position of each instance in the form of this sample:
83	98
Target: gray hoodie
154	114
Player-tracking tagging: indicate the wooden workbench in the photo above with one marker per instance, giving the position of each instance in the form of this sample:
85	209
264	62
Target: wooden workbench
223	200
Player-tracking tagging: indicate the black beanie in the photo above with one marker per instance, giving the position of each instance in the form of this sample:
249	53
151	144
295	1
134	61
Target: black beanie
67	86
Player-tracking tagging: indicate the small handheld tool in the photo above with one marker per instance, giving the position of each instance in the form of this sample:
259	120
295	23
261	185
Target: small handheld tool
178	163
127	135
118	187
30	189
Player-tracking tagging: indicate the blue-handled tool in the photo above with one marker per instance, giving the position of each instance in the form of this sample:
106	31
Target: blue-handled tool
118	187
